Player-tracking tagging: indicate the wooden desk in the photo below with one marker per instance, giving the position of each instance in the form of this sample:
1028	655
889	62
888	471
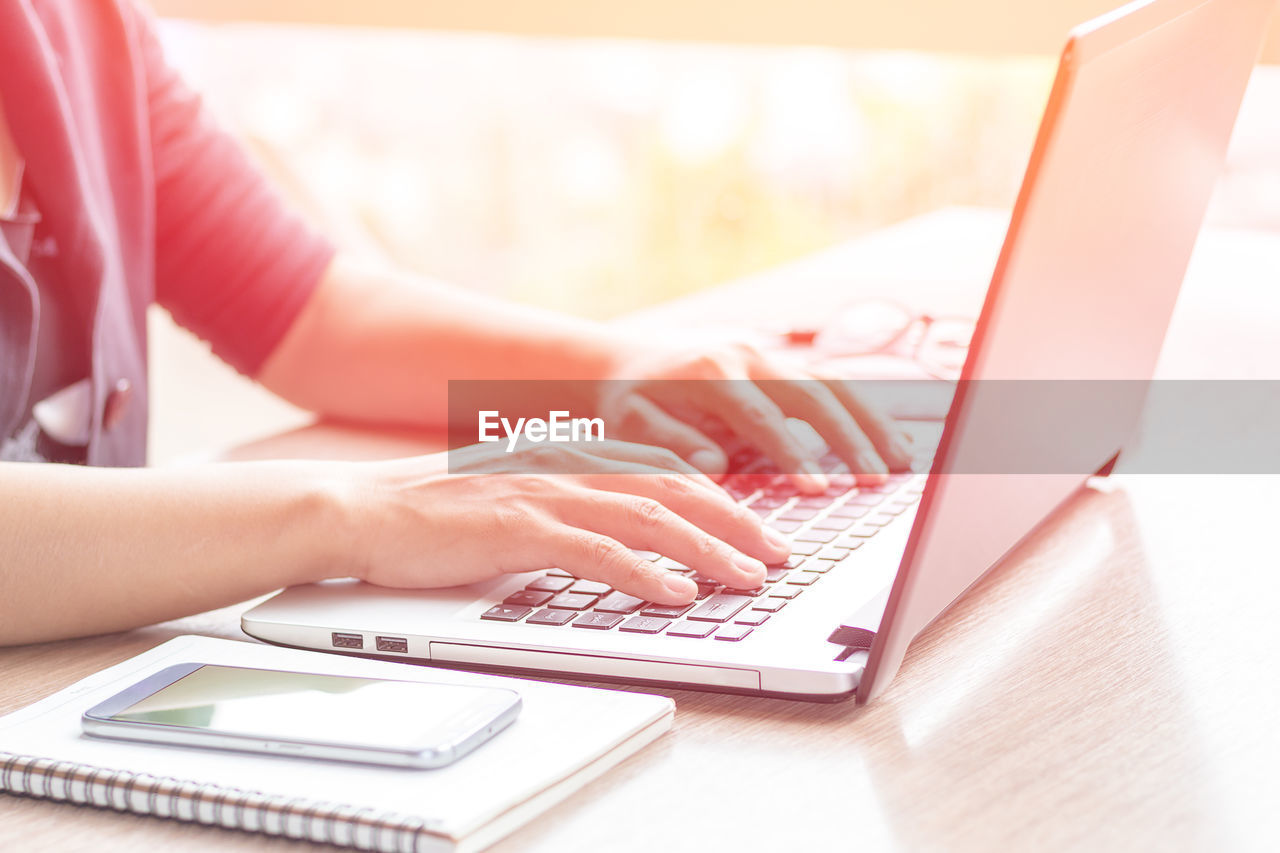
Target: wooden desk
1111	686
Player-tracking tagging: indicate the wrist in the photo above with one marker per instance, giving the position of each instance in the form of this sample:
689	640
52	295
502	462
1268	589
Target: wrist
324	515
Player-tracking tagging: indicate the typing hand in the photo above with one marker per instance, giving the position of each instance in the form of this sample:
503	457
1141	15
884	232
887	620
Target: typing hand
415	523
672	398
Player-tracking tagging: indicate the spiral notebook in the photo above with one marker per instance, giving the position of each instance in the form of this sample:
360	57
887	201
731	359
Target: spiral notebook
564	737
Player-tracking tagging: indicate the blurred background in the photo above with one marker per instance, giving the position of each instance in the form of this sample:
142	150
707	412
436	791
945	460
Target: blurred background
554	161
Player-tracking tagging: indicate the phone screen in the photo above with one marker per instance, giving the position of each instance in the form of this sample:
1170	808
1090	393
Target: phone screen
299	706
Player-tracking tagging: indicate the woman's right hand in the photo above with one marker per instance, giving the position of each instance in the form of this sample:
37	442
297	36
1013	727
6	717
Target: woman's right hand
417	524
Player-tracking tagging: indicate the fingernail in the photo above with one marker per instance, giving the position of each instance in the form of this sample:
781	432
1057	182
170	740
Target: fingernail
901	455
708	461
811	470
777	540
679	585
749	566
843	481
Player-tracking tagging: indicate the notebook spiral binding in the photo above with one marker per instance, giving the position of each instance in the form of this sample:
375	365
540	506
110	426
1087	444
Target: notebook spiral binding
230	808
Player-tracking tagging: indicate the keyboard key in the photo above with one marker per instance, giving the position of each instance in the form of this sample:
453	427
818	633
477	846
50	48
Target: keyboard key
646	555
803	578
749	592
691	629
775	574
559	573
550	583
571	601
817	566
733	633
719	608
878	521
769	605
752	617
813	502
645	625
785	526
805	549
847	543
619	602
820	536
527	598
671	565
591	588
550	617
833	522
891	509
705	591
862	532
662	611
799	513
834	553
782	590
865	498
598	621
506	613
850	511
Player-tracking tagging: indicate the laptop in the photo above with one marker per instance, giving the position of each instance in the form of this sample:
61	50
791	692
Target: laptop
1129	148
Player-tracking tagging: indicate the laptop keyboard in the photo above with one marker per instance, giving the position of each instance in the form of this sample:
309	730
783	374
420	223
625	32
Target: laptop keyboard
825	531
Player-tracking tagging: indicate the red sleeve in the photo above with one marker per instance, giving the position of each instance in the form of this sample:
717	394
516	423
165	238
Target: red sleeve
233	264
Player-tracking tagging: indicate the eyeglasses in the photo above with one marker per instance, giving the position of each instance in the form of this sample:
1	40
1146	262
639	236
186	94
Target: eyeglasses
884	336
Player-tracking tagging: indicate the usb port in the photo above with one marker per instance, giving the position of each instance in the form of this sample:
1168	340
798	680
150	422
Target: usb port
347	641
393	644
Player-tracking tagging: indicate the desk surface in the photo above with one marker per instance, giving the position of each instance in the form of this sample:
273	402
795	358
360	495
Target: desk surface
1110	685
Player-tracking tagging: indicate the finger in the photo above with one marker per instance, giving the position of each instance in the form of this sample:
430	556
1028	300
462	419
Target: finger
716	513
815	403
893	444
646	422
755	417
644	523
595	556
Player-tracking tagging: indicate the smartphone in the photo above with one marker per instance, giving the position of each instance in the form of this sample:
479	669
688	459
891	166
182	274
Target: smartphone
307	715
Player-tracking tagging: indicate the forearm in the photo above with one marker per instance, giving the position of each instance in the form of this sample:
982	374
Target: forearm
89	551
377	347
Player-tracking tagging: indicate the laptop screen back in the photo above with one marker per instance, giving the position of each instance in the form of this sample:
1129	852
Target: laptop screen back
1129	149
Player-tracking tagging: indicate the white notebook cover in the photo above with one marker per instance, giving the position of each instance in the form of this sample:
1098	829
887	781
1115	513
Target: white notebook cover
564	737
